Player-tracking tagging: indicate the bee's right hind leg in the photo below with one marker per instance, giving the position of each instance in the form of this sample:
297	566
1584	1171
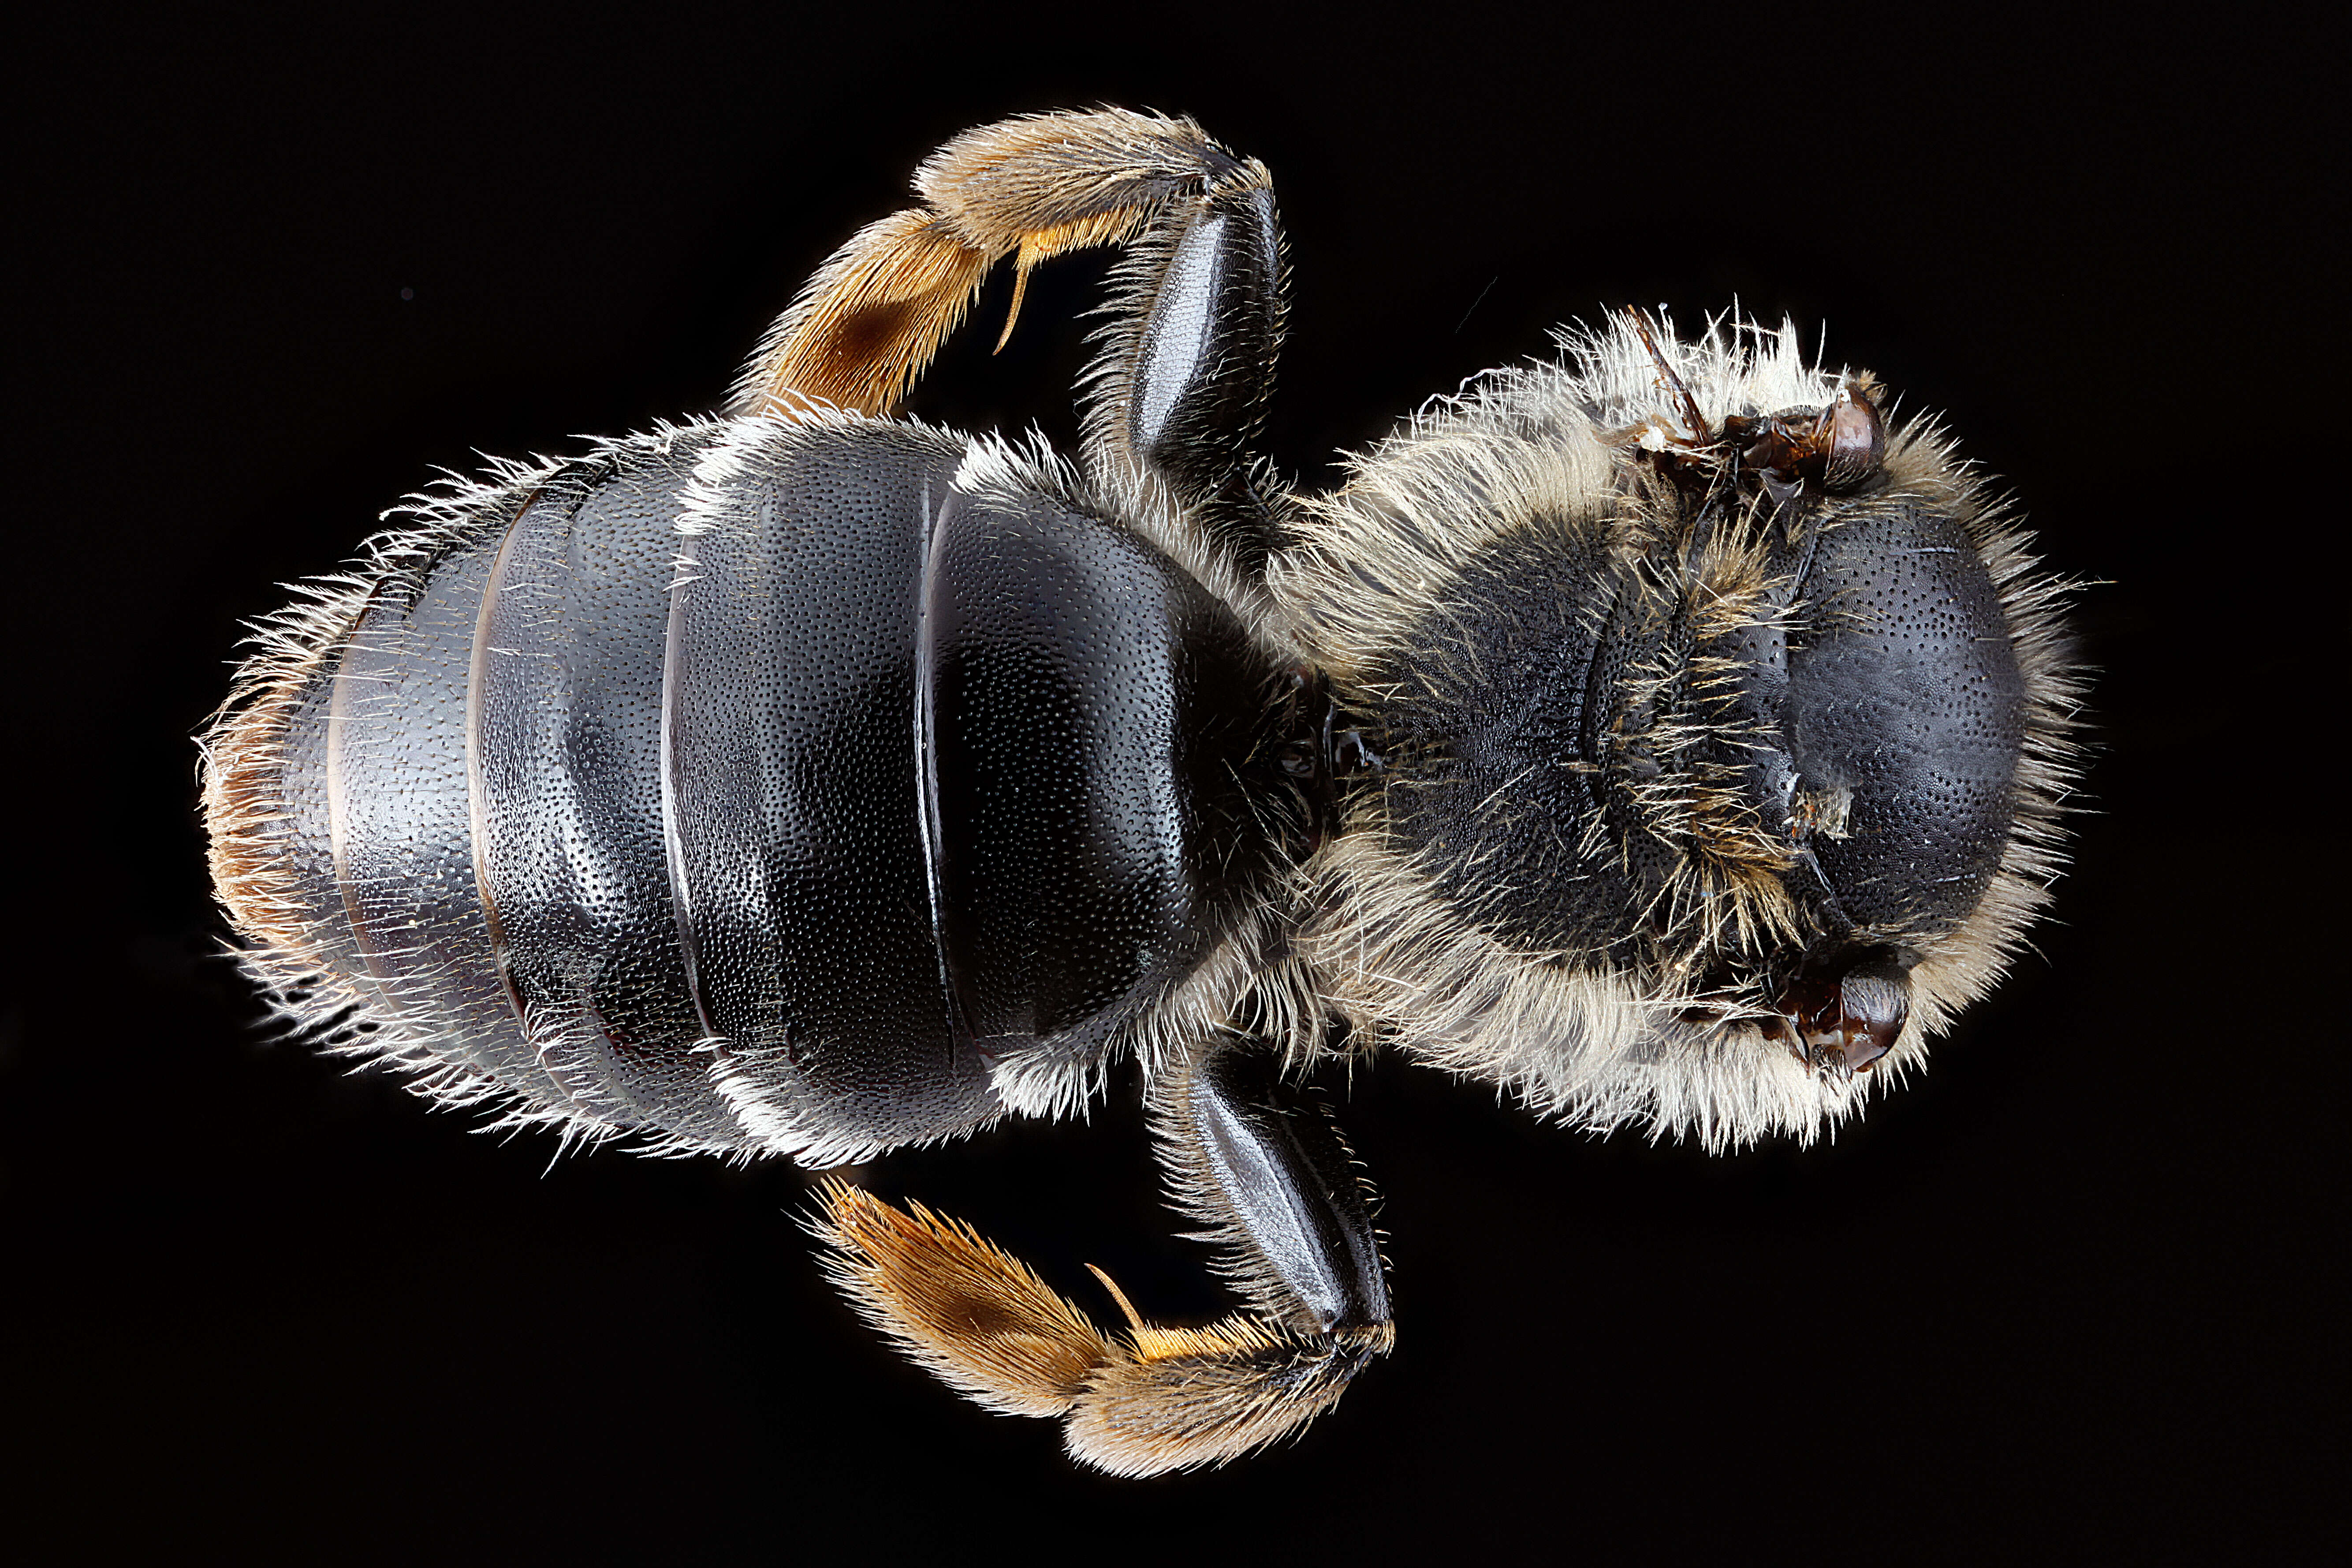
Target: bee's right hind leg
1267	1173
1270	1177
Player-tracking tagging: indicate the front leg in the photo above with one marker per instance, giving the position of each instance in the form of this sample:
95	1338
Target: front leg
1246	1156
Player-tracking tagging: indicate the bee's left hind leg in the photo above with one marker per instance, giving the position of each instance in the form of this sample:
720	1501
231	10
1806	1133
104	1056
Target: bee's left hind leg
1187	368
1246	1156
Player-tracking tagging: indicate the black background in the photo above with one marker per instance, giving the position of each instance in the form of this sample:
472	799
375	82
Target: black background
2060	1297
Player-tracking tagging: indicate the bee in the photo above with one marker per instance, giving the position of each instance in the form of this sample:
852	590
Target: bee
1660	733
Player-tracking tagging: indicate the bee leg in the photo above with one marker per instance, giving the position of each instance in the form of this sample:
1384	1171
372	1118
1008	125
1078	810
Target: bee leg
1267	1173
972	1314
1181	391
1182	386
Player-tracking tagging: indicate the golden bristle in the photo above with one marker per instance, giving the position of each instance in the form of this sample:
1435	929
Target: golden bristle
977	1317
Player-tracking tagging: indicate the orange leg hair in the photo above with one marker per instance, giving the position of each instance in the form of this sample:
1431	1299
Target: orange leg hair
1143	1403
874	315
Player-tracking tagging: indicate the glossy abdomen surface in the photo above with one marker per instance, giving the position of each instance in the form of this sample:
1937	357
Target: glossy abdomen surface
760	786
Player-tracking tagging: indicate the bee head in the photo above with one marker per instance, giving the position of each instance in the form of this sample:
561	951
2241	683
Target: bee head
1722	730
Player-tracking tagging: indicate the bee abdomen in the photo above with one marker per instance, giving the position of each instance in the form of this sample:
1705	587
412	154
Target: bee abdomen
750	787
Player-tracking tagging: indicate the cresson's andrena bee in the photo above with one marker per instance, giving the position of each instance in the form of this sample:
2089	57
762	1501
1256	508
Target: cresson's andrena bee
1655	733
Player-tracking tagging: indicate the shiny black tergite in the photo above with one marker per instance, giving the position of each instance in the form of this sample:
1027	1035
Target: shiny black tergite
1657	734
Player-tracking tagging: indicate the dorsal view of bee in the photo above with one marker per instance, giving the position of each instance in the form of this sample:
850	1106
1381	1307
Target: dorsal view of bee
1662	732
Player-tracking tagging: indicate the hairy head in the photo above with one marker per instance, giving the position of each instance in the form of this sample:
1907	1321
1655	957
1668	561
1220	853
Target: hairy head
1722	733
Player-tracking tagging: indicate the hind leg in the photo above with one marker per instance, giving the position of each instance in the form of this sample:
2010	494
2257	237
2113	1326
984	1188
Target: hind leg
1181	390
1269	1177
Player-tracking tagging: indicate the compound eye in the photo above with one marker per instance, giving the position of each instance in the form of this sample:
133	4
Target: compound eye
1854	439
1842	1023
